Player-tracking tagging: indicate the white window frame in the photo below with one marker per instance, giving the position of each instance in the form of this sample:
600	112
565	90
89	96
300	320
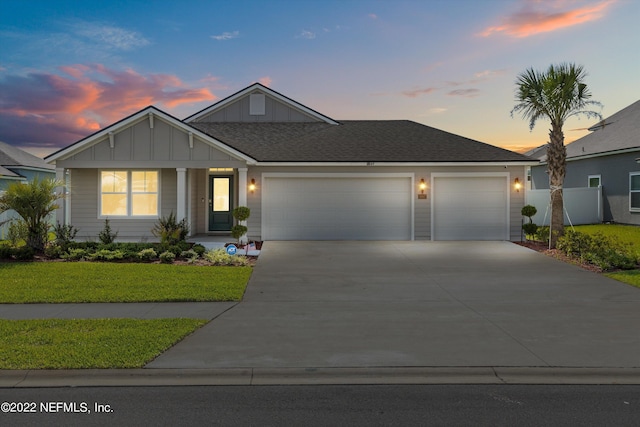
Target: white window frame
590	177
631	191
129	214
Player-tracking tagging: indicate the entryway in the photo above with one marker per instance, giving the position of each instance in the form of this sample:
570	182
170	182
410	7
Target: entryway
220	202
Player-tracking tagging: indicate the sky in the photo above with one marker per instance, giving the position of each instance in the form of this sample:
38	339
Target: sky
70	68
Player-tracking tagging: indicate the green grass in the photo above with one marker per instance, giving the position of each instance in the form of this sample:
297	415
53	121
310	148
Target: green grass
88	343
630	277
76	282
624	233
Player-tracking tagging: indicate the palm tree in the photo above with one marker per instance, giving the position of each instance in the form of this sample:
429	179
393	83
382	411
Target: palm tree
34	202
555	94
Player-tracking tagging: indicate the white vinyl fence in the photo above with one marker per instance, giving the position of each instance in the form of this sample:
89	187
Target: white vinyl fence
4	229
582	205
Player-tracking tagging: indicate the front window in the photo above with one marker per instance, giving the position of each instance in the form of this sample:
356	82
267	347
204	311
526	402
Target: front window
129	193
634	191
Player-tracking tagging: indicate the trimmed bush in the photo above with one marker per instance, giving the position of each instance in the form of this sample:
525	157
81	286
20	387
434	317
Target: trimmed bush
106	255
75	254
597	249
221	257
167	257
147	254
24	253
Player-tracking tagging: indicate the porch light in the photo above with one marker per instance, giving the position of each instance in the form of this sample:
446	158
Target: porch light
517	185
252	185
422	186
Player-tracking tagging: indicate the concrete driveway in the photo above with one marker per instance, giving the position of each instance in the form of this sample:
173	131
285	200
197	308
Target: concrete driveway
407	304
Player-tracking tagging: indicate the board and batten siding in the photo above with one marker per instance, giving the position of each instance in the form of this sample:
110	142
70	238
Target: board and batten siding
275	111
142	146
85	193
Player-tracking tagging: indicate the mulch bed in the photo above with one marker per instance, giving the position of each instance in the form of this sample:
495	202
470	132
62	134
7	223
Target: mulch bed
559	255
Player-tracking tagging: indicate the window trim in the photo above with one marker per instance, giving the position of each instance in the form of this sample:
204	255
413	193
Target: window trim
594	176
631	208
129	193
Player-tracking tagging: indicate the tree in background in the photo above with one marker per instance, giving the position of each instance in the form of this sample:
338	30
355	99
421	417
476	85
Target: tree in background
555	94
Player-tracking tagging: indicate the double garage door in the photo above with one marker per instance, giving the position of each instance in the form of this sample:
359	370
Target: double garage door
380	208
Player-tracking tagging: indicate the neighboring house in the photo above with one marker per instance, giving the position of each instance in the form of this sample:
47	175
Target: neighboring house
607	157
304	175
19	166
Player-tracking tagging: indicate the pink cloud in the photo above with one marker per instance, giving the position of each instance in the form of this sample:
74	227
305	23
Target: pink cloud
56	110
265	81
417	92
467	93
540	17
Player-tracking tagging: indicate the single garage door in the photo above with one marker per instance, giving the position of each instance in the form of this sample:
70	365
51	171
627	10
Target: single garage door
328	208
470	208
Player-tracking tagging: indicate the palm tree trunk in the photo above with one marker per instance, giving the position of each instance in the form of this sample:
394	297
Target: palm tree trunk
557	164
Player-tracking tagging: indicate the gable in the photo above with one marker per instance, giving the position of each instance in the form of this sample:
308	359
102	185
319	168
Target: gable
149	136
258	104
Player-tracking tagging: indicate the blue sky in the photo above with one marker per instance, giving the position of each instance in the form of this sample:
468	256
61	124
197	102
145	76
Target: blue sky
68	68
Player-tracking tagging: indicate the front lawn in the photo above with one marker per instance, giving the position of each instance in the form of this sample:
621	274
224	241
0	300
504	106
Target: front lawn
80	282
88	343
630	277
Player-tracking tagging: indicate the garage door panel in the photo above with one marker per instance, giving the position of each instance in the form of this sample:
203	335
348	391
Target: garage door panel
337	208
470	208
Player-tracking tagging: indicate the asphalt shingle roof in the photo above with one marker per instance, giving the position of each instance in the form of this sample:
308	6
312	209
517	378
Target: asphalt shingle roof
353	141
13	156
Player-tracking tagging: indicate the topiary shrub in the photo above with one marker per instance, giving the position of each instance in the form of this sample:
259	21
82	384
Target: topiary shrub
529	228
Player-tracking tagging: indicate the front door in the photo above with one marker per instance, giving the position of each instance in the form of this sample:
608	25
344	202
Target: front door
220	203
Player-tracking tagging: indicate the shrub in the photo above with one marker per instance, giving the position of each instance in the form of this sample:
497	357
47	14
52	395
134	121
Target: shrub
64	233
530	229
170	231
190	255
542	235
221	257
598	249
75	254
167	257
147	254
529	211
18	231
106	255
24	253
53	251
237	231
5	251
241	213
199	249
107	236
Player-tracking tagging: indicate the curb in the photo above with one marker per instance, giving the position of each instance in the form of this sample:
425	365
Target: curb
317	376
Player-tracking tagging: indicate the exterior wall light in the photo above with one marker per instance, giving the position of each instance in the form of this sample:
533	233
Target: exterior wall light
422	186
252	185
517	185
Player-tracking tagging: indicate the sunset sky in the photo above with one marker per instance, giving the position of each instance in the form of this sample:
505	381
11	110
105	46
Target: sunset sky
68	68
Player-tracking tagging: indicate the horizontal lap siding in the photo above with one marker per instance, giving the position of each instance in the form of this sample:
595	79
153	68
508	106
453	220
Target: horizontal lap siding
84	207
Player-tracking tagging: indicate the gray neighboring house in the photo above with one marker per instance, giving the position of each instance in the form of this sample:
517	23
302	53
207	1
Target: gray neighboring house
607	157
304	175
17	165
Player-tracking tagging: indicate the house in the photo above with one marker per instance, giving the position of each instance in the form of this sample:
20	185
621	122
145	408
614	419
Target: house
606	158
17	165
304	175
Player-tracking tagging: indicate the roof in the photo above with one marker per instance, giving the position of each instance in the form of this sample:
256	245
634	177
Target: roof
354	141
620	132
12	157
261	88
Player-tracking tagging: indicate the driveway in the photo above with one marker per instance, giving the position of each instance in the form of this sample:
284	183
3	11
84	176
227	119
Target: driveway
399	304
